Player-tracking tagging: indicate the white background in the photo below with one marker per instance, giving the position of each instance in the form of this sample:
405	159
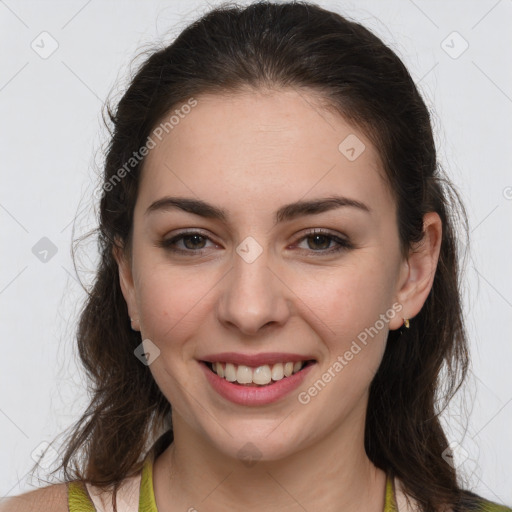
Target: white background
51	137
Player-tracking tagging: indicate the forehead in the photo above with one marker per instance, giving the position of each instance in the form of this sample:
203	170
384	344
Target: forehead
259	145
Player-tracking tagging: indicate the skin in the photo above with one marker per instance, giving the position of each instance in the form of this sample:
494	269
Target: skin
251	153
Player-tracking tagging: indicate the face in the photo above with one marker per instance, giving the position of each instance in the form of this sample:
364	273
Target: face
312	283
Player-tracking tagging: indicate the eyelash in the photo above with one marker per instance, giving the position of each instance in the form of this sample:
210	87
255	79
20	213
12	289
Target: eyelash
343	244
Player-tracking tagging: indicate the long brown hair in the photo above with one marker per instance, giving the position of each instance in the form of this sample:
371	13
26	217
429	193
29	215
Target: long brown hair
279	45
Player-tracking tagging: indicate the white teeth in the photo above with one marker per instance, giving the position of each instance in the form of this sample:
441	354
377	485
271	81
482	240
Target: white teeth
244	374
277	371
261	375
219	370
288	369
229	372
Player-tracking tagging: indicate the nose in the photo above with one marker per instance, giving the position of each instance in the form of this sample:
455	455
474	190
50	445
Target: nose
253	297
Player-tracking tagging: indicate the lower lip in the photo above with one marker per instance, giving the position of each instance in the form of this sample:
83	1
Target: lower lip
255	395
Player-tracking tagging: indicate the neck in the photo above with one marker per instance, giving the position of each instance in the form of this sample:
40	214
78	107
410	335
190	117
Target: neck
331	474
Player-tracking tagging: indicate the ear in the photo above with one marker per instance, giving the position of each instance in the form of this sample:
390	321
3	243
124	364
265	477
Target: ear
126	282
418	271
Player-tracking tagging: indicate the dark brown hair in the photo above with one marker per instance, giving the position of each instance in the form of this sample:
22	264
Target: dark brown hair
282	45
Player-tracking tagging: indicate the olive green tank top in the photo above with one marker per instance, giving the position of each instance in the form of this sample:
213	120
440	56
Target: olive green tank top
139	495
79	499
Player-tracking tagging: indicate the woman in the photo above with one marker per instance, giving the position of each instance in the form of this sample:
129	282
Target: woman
278	288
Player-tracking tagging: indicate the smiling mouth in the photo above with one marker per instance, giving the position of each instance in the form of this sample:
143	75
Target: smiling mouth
261	376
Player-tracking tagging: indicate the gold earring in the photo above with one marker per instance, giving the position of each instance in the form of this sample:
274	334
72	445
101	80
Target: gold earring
406	323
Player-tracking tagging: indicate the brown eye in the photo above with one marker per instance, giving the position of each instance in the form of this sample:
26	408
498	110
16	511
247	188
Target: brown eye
191	243
321	242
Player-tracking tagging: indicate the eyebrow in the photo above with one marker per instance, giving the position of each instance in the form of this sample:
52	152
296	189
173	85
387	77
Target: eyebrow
285	213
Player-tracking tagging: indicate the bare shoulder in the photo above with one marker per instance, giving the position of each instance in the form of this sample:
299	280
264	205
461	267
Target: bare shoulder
52	498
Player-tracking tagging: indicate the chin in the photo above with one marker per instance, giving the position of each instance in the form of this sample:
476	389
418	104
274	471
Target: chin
256	445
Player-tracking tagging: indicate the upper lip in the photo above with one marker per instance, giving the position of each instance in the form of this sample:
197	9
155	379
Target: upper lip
255	360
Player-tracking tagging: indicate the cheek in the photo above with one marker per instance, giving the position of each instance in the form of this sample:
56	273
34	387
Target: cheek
345	300
349	311
170	302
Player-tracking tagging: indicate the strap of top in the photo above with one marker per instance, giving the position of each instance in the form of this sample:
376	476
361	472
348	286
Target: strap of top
78	498
390	500
136	493
147	501
87	498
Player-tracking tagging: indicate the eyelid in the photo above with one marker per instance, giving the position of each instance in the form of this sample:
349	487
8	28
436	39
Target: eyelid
321	231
